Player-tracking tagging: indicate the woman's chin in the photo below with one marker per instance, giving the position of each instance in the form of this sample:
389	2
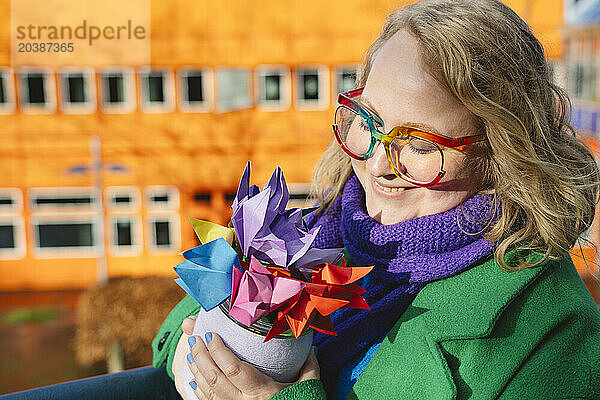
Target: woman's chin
387	216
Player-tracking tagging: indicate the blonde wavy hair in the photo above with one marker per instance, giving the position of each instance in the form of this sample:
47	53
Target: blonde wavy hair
487	57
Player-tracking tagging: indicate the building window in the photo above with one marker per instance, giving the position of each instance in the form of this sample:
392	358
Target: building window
195	89
156	90
123	233
78	94
65	221
7	236
126	235
51	198
118	200
11	200
12	233
229	197
37	90
125	225
3	90
163	228
273	84
126	198
162	197
65	234
202	197
311	88
35	94
233	89
576	81
345	78
117	90
582	80
6	201
12	237
161	233
7	102
164	231
75	90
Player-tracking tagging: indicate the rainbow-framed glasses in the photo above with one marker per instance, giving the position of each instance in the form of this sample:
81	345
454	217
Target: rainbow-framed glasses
414	154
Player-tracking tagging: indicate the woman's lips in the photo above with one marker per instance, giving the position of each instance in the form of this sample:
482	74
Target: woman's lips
389	190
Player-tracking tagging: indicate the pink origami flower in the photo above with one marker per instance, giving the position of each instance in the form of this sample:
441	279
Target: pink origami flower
259	292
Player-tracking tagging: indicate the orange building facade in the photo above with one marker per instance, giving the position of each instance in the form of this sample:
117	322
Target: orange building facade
103	164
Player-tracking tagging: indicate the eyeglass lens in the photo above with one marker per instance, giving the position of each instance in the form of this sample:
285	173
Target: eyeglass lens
411	157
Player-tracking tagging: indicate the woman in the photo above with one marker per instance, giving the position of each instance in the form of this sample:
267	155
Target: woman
454	172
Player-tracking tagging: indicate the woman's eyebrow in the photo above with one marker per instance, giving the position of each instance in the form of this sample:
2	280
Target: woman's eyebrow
419	125
425	127
365	101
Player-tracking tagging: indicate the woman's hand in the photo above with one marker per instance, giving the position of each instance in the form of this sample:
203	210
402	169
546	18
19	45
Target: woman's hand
219	374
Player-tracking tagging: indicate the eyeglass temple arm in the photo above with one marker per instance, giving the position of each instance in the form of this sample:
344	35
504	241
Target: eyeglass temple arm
344	98
469	139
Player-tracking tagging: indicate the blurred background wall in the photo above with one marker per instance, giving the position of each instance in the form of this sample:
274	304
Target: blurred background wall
226	83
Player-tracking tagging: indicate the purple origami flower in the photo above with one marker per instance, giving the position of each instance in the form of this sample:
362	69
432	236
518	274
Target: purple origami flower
269	232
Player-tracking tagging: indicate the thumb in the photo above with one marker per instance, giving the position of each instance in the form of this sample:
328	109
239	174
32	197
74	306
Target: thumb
310	369
188	325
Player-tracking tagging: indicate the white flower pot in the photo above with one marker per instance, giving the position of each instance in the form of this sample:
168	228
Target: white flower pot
280	358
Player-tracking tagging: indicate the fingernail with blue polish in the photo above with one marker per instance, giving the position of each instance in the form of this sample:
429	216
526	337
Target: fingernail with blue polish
208	337
192	341
190	358
193	385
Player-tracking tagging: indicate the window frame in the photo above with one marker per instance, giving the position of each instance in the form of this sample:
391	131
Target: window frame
208	90
13	214
113	191
67	191
174	231
64	218
16	195
219	108
49	91
324	84
89	86
129	105
9	91
136	235
146	105
284	87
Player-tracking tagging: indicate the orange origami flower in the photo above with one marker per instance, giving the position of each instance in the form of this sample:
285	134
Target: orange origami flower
332	287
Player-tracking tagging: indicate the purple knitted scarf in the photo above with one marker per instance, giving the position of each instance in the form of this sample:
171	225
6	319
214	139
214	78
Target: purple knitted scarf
406	256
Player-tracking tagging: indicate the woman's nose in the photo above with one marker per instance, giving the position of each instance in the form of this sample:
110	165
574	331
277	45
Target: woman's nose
378	164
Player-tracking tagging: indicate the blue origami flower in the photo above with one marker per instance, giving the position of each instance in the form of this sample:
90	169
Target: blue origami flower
206	274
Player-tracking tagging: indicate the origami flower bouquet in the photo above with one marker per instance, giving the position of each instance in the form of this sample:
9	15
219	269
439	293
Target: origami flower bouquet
261	283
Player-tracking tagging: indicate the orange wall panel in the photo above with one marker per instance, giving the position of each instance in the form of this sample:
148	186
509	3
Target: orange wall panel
202	152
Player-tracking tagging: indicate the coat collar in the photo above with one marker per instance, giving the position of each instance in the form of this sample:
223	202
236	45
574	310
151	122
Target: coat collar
468	305
464	306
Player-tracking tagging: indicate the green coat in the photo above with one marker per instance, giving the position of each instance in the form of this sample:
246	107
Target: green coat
485	333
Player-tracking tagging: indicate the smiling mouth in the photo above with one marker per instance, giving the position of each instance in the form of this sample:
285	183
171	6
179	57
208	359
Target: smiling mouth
390	189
